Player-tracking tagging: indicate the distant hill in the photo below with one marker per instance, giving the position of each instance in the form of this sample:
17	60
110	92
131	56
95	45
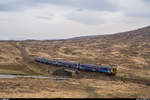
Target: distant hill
84	37
141	33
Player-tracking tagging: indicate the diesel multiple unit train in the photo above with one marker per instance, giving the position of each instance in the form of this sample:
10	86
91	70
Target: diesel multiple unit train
85	67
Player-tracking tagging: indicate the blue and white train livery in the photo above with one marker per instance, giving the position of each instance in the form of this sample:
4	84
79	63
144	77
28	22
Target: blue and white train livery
85	67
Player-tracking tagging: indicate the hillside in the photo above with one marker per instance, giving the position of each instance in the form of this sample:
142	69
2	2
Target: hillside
129	51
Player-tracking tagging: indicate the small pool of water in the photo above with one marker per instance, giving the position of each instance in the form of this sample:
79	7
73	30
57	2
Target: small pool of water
40	77
16	76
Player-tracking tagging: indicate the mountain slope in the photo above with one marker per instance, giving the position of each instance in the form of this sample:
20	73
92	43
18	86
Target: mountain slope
130	51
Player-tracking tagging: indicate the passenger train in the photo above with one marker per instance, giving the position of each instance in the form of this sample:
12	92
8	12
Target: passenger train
111	70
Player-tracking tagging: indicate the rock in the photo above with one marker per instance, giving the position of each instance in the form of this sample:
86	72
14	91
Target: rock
65	72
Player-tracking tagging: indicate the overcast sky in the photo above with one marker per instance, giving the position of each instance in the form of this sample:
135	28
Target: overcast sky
55	19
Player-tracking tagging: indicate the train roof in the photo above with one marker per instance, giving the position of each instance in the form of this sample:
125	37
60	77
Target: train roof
105	66
90	65
98	66
67	62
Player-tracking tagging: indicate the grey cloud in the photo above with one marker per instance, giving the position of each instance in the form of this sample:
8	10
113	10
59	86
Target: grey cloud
84	17
135	8
103	5
4	8
81	4
138	14
45	17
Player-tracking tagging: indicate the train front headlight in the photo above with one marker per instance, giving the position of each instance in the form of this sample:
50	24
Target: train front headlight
114	70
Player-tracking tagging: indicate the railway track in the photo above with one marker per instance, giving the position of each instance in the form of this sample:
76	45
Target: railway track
95	75
124	79
145	82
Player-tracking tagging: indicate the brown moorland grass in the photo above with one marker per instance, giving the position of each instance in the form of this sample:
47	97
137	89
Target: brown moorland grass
75	88
129	51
